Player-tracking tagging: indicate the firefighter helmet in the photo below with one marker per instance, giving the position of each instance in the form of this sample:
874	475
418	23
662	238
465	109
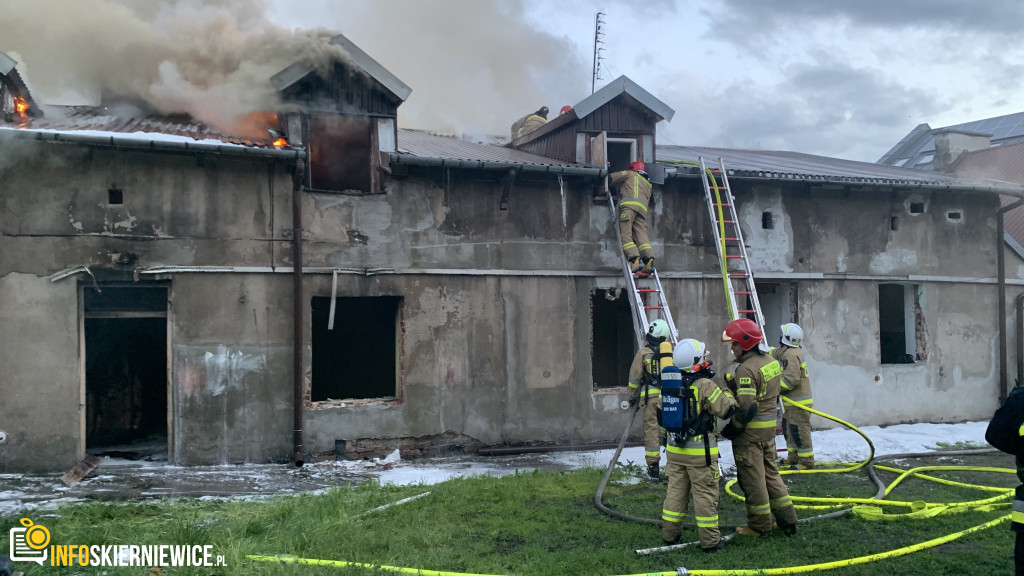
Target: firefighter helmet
689	354
792	335
637	166
658	331
564	109
745	332
543	112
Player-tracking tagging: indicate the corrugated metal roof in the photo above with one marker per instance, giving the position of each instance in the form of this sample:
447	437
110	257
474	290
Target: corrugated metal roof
433	145
917	148
797	166
97	119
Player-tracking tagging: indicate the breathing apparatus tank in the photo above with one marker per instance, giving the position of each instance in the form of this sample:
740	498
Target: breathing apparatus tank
674	409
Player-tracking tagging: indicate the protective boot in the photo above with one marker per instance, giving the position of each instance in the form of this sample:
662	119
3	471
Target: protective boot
653	470
788	529
648	264
635	265
747	531
716	547
801	467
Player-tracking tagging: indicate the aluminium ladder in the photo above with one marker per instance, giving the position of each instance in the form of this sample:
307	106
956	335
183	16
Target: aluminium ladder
725	224
639	296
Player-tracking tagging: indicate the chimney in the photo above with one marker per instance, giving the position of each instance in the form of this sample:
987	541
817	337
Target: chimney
950	143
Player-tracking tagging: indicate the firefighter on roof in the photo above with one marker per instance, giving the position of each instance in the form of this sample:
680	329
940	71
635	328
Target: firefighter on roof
796	423
530	122
692	466
752	431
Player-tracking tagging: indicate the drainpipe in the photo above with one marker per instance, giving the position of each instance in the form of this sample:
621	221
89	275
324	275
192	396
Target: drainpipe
297	380
1020	338
1001	263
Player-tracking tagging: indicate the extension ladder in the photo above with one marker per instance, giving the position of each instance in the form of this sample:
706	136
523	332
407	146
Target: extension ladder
643	299
738	279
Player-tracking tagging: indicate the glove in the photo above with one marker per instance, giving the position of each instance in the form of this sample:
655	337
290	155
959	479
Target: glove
634	398
730	381
729	431
742	417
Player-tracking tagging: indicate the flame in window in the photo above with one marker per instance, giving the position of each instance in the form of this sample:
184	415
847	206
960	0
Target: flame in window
20	105
280	142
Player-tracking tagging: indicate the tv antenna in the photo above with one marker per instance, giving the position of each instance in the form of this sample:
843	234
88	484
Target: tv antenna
598	49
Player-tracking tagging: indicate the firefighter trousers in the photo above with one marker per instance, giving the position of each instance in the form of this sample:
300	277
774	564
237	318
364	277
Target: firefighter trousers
633	229
652	428
796	426
702	483
763	488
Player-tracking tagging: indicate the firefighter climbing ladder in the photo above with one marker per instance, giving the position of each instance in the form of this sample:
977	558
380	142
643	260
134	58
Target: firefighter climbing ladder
738	280
640	298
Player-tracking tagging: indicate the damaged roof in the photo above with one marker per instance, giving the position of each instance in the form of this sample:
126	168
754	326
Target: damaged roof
426	148
796	166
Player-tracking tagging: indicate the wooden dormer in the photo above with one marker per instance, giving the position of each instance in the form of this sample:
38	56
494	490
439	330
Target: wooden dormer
348	118
611	128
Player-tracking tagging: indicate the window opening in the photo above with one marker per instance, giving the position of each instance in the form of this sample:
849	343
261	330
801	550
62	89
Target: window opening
358	359
613	342
767	222
621	151
340	153
917	207
115	196
900	323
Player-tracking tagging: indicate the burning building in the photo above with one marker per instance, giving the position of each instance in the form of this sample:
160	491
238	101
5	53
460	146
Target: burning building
318	281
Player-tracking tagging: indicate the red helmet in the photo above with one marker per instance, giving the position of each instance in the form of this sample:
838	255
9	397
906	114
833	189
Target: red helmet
637	166
744	331
564	110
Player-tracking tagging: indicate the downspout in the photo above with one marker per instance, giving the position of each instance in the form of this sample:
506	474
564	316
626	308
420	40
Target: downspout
1001	264
1020	338
297	372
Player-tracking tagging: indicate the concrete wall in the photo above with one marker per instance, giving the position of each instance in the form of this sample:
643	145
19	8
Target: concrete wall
495	305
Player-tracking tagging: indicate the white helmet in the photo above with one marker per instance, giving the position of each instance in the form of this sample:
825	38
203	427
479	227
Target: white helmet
689	353
792	335
658	330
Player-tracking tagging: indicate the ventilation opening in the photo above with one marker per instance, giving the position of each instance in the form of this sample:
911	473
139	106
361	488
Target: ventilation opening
115	196
125	371
767	222
358	358
612	337
894	223
917	207
954	216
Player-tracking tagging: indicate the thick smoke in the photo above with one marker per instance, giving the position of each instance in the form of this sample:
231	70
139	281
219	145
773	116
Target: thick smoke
212	60
473	66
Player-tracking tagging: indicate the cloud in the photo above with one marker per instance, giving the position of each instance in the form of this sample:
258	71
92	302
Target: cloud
828	108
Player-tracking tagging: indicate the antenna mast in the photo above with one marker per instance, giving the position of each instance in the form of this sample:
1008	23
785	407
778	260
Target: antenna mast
598	49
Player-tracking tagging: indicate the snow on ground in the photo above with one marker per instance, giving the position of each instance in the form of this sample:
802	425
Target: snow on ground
130	480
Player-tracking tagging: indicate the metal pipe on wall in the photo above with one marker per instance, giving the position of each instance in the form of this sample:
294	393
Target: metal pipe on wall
1001	265
297	380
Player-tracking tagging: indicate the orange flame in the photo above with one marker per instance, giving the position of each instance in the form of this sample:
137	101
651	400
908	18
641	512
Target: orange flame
20	105
280	142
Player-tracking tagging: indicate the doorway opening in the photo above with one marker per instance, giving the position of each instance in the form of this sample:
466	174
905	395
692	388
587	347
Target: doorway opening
613	341
125	338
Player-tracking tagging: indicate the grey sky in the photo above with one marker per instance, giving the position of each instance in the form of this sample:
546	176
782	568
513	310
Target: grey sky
844	79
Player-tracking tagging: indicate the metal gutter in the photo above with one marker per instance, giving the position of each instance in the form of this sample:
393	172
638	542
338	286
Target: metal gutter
436	162
158	145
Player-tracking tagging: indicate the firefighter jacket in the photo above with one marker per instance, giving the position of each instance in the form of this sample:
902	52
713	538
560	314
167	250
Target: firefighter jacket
530	123
635	192
758	379
645	362
795	384
691	451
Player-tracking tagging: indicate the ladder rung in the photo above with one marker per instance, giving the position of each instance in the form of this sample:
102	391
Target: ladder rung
716	204
647	290
746	311
738	275
743	293
731	239
734	256
652	307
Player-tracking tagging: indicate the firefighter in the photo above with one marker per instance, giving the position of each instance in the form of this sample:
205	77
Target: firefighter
645	387
795	384
530	122
752	432
634	196
692	466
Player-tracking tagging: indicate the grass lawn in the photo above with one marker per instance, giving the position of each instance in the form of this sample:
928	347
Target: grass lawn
539	524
